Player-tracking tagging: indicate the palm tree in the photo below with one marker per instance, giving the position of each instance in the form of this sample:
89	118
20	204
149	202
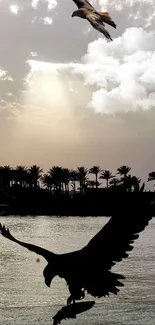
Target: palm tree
142	187
20	175
95	170
56	172
127	183
66	176
151	177
1	177
5	176
74	179
135	182
114	182
47	181
35	173
131	183
82	177
92	184
123	171
107	175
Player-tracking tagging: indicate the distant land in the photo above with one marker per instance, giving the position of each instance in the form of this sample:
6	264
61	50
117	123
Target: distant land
65	192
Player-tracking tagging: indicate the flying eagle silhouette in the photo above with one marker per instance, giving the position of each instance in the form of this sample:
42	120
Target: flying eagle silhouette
96	19
89	269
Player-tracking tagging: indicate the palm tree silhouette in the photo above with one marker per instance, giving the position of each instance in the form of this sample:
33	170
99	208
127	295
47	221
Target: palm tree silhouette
6	176
95	170
141	189
20	175
92	183
74	179
66	177
1	177
47	181
56	172
58	179
114	182
151	177
135	182
35	173
107	175
131	183
123	171
82	177
127	183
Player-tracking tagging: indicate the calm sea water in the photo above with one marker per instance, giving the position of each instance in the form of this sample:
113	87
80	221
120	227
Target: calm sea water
24	298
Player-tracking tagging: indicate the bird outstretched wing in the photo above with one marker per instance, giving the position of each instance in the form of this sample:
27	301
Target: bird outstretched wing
114	241
83	4
109	246
98	24
36	249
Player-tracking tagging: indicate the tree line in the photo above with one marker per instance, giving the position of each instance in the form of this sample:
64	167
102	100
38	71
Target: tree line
64	180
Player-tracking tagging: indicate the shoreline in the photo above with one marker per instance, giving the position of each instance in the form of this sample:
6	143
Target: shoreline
91	204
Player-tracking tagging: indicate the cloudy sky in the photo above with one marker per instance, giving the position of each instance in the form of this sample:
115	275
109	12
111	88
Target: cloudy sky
68	96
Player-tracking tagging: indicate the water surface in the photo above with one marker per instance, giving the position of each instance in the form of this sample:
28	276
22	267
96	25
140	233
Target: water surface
24	298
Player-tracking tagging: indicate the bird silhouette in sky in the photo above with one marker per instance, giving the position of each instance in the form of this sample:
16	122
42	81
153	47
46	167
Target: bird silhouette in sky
95	18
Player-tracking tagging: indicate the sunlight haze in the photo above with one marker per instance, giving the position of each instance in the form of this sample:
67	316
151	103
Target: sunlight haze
69	97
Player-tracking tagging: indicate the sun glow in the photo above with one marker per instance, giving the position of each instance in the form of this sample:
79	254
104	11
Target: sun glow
52	101
49	89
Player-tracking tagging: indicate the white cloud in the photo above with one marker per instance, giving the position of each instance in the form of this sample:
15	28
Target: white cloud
2	73
120	75
5	76
131	12
50	3
34	54
122	72
47	20
14	9
35	3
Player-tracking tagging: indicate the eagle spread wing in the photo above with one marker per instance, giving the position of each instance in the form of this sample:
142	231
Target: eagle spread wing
83	4
38	250
98	24
113	242
110	245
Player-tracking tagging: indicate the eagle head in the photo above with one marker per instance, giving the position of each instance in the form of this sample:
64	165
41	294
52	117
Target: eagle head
76	13
49	273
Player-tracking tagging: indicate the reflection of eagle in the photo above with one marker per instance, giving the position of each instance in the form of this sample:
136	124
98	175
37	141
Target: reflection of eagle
89	269
96	19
